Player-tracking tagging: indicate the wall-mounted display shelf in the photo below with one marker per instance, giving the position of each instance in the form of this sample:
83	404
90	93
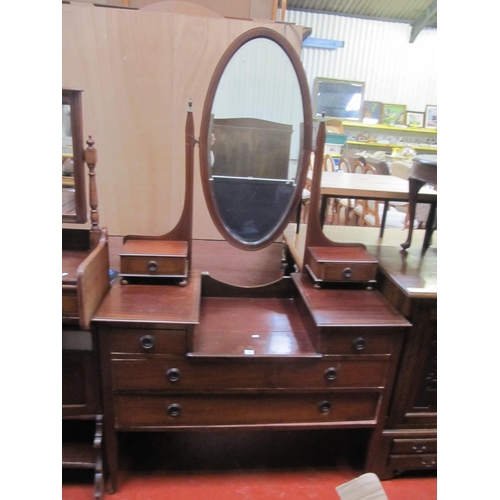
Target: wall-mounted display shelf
362	135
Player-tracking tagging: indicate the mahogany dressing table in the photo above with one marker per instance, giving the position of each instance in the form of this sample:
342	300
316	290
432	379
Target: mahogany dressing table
292	354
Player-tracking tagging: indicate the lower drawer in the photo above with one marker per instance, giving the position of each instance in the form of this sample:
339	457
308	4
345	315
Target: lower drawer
252	409
199	375
414	446
401	463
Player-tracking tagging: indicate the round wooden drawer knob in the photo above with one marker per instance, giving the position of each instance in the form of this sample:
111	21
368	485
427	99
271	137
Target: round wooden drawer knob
359	344
331	373
174	410
347	273
147	342
174	374
152	266
325	406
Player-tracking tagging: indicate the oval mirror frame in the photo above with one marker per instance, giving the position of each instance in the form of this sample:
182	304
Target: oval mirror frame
304	153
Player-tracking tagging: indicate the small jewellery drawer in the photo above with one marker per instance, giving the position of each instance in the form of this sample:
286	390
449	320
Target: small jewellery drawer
153	266
414	446
207	410
336	341
345	264
412	462
138	341
192	374
159	258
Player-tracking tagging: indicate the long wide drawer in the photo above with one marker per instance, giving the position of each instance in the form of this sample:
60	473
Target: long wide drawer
199	375
401	463
414	446
210	410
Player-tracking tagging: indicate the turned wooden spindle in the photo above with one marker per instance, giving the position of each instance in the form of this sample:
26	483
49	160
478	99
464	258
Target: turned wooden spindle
90	156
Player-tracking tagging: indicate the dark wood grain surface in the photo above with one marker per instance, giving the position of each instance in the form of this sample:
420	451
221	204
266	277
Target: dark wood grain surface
152	303
252	327
335	307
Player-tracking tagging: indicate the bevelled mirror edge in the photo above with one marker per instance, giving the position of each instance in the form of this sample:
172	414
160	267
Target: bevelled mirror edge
305	136
73	155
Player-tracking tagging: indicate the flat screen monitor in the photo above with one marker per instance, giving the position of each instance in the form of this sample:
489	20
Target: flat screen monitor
340	99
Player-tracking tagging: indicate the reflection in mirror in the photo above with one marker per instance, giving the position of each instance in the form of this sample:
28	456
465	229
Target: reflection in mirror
73	184
254	138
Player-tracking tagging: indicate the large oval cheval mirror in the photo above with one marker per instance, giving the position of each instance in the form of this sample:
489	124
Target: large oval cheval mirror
255	138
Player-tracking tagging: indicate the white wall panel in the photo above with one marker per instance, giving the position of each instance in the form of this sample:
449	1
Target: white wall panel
375	52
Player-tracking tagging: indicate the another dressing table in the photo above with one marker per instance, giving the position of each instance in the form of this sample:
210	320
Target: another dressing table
85	281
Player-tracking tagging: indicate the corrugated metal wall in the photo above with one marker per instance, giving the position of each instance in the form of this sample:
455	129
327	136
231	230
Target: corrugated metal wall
375	52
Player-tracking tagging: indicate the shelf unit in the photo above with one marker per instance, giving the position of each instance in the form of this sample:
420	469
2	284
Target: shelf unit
392	137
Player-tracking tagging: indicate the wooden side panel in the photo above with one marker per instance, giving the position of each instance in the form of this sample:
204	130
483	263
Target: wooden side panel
138	70
93	282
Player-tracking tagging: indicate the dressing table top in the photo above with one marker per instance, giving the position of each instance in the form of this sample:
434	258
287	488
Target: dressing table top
152	304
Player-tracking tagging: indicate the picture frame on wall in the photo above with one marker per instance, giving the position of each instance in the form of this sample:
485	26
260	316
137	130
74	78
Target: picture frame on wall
372	112
393	115
415	119
431	116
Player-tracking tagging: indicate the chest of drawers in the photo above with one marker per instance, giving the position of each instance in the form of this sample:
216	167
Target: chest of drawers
174	359
408	440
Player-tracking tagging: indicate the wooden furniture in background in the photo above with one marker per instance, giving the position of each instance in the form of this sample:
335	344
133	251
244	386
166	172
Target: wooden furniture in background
424	171
265	153
409	438
85	281
368	187
74	202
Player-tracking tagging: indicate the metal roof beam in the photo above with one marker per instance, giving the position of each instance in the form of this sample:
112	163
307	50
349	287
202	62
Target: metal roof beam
423	20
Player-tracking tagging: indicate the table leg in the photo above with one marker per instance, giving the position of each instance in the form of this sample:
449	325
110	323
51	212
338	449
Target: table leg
324	204
299	214
430	226
384	216
414	188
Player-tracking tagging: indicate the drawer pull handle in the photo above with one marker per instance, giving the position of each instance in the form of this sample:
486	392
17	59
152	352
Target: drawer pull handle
347	273
331	373
147	342
152	266
359	343
174	374
428	463
419	447
325	406
174	410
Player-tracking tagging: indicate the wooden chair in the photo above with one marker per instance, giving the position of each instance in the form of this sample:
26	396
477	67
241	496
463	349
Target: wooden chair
348	164
303	209
367	211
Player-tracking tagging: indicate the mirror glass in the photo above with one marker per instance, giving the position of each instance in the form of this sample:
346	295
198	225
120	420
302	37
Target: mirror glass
254	140
73	186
